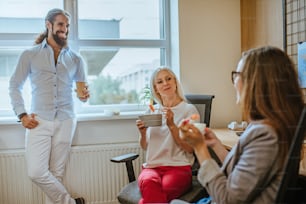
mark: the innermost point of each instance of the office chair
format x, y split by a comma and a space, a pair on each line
130, 193
290, 191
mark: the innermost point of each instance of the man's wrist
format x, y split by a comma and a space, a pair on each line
20, 116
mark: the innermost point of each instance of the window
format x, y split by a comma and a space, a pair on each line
122, 42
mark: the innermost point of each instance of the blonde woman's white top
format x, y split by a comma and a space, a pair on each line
162, 149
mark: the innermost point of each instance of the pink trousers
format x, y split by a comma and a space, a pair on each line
163, 184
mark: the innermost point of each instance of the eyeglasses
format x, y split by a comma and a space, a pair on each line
234, 75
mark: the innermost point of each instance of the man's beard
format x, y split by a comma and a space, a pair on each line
61, 42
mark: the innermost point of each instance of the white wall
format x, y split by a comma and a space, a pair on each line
209, 37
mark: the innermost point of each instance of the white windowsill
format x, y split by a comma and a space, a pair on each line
12, 120
99, 116
92, 129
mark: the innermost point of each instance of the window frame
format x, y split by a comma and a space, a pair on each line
23, 40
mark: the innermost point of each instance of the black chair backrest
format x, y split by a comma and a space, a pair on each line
287, 190
203, 104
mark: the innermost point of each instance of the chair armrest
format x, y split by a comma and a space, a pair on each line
125, 158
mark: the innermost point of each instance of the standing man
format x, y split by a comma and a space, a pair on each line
52, 68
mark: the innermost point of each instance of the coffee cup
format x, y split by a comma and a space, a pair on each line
80, 87
201, 127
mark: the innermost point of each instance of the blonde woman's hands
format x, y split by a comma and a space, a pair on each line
168, 115
142, 137
141, 127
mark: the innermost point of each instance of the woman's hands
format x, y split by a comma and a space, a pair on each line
142, 130
193, 136
195, 139
211, 139
199, 142
168, 114
175, 132
141, 127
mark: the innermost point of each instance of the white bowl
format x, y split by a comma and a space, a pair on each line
151, 120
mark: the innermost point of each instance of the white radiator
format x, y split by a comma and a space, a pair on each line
89, 174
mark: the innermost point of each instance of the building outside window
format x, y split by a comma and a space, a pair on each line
122, 42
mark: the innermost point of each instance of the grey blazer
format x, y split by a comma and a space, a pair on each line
251, 172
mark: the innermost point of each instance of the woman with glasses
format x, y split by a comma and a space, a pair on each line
271, 100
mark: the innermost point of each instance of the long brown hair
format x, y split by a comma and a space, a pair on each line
271, 92
51, 17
